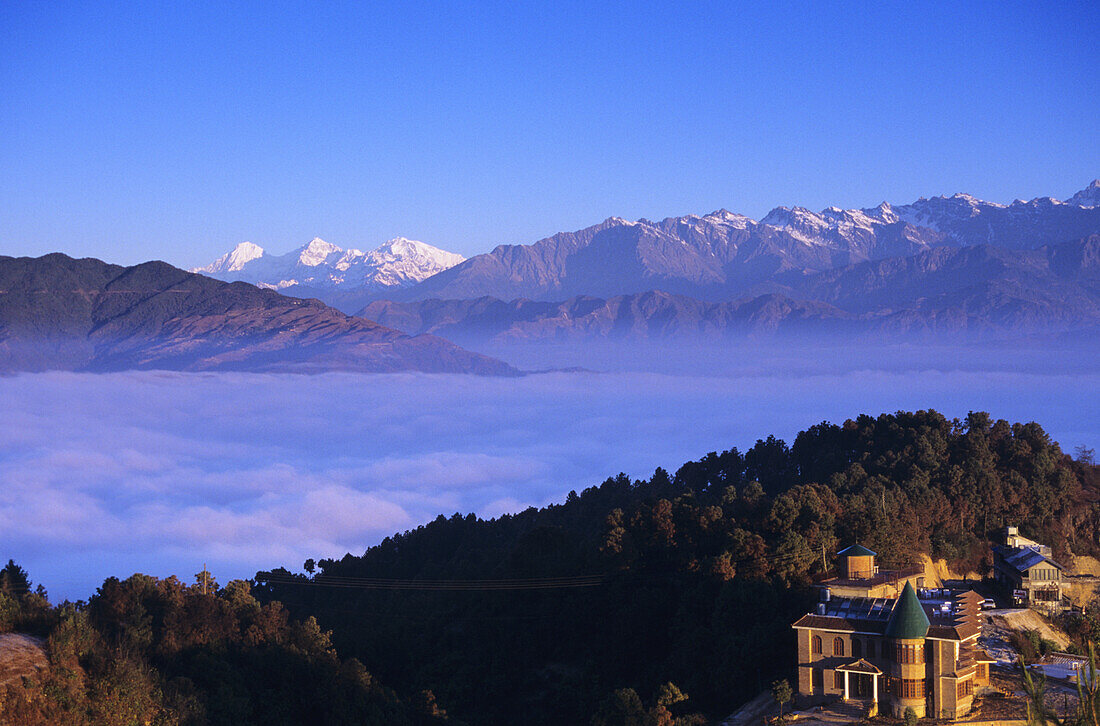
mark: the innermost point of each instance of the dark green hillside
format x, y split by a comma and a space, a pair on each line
702, 572
150, 651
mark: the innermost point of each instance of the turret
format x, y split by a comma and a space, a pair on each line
906, 630
859, 562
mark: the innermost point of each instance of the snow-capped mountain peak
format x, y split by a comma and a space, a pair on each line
729, 219
781, 216
405, 247
788, 238
399, 262
883, 213
1088, 197
316, 252
403, 261
234, 260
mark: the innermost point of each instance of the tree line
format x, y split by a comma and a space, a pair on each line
158, 651
657, 602
702, 571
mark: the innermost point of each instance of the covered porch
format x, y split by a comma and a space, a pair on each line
861, 683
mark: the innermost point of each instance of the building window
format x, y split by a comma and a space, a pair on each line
815, 645
909, 654
1044, 574
965, 688
857, 648
983, 670
817, 680
910, 688
870, 649
838, 646
838, 680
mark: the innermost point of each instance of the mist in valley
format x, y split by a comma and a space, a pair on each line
161, 472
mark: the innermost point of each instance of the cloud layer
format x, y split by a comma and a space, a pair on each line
162, 472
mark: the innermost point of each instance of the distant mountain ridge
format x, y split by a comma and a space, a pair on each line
324, 266
723, 255
59, 313
942, 266
648, 315
975, 291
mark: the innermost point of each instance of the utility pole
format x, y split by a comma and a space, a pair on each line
205, 578
824, 565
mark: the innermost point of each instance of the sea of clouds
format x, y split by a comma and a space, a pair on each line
162, 473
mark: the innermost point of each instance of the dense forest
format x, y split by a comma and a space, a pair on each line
699, 574
659, 602
151, 651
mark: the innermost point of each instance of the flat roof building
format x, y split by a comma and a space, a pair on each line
861, 577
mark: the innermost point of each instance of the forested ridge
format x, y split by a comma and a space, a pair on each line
158, 651
701, 572
665, 601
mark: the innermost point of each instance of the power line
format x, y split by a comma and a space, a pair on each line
422, 581
480, 585
436, 585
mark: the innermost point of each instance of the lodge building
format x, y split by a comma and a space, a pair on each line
892, 653
1025, 568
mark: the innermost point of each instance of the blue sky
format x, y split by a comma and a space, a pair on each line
131, 131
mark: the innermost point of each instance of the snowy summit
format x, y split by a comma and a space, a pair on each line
320, 264
232, 261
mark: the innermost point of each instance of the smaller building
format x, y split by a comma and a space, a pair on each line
861, 577
1026, 569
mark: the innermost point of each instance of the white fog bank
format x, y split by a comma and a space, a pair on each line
162, 472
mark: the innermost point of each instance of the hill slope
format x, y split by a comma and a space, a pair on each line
700, 573
156, 651
61, 313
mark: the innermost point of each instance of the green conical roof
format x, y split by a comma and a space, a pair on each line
907, 621
856, 551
